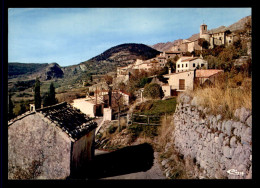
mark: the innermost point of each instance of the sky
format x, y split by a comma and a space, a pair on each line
69, 36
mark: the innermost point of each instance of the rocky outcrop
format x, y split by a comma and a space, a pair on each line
53, 71
222, 148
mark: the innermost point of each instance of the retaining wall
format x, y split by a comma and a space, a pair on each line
221, 147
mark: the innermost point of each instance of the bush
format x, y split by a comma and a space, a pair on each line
153, 91
112, 129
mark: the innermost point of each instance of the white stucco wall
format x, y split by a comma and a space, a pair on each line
189, 64
187, 76
84, 106
166, 90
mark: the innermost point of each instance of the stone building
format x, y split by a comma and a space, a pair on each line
90, 106
223, 37
49, 143
183, 81
186, 46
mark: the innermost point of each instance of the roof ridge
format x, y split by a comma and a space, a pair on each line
52, 106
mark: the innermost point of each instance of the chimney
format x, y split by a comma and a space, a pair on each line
170, 70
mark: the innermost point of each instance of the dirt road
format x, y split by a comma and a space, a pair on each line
153, 172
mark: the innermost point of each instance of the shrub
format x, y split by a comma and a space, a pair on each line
153, 91
235, 93
112, 129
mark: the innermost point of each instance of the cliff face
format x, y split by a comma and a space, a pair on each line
220, 148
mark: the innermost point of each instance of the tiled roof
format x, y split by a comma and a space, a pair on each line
207, 73
69, 119
190, 59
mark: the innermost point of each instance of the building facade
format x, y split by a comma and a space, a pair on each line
49, 143
186, 63
183, 81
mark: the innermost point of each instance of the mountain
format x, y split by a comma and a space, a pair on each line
120, 55
165, 46
21, 75
239, 25
16, 69
27, 71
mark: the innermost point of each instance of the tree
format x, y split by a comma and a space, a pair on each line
203, 43
10, 107
22, 107
153, 91
49, 98
108, 79
118, 102
37, 94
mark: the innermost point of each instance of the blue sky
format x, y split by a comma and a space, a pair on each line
69, 36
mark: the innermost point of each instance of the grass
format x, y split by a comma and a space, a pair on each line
157, 107
227, 95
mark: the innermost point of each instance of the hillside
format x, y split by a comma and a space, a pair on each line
233, 27
107, 61
27, 71
16, 69
120, 55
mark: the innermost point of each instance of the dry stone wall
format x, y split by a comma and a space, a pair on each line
222, 148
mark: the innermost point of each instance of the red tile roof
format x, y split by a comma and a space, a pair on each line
207, 73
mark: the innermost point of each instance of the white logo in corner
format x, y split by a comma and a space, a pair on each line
235, 172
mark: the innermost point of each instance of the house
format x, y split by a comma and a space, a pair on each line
120, 95
49, 143
207, 76
90, 106
187, 80
186, 63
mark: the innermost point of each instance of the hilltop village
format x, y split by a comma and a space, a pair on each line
161, 98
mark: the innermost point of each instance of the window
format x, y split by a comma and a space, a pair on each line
182, 65
178, 65
194, 64
202, 65
169, 56
186, 64
181, 84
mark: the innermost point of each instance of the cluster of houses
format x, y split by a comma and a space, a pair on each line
60, 137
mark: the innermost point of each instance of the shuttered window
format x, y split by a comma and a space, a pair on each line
181, 84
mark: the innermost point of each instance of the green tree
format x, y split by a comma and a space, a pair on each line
22, 107
49, 98
37, 94
203, 43
10, 107
153, 91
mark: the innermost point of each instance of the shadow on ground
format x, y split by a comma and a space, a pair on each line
127, 160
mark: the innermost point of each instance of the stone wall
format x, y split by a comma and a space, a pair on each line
37, 149
215, 144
